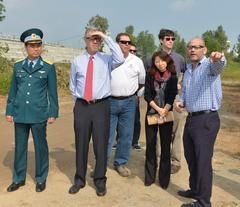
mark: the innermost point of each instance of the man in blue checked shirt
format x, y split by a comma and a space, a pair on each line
202, 94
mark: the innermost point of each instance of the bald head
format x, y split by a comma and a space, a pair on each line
196, 49
198, 39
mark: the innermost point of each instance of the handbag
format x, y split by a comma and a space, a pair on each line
157, 119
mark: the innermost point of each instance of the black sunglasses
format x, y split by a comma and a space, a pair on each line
97, 39
125, 42
170, 38
133, 51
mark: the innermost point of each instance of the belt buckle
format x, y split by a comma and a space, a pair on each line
92, 101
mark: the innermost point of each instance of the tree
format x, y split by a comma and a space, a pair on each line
99, 22
222, 38
145, 44
216, 40
130, 30
237, 50
2, 10
180, 46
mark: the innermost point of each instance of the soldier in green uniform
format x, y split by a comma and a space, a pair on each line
32, 103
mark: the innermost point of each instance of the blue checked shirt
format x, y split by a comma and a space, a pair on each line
202, 86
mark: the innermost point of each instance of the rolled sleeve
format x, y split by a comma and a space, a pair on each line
117, 57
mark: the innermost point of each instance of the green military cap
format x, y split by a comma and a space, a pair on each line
33, 35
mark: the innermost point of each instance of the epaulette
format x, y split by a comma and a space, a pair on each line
49, 62
19, 60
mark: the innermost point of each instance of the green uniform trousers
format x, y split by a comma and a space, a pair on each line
21, 148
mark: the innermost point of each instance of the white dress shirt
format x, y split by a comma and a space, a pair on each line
126, 78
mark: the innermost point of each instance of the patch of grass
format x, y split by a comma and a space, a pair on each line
231, 72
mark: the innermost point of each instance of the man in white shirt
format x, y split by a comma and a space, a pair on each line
125, 81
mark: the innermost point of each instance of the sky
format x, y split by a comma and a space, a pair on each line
64, 21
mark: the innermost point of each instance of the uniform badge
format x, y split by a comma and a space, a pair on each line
33, 36
41, 71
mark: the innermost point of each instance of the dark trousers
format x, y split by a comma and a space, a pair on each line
91, 120
137, 126
199, 136
165, 131
21, 148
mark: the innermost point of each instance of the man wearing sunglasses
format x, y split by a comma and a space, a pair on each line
167, 38
133, 49
137, 122
90, 87
125, 81
201, 95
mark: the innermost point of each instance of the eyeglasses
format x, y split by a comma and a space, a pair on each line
124, 42
195, 47
170, 38
133, 51
97, 39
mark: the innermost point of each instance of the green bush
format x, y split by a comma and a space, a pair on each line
5, 79
63, 71
5, 65
5, 75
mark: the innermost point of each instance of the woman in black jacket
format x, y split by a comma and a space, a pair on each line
160, 92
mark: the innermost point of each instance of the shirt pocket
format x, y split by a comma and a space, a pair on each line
40, 77
21, 76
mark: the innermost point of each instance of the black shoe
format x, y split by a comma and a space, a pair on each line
101, 191
186, 194
15, 186
148, 184
194, 204
164, 186
40, 187
136, 147
74, 189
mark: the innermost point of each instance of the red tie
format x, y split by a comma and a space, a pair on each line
89, 80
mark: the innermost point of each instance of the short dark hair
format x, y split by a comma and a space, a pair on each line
132, 44
166, 57
119, 35
165, 32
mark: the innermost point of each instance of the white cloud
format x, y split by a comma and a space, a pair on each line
182, 5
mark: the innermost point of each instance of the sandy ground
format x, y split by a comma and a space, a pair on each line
121, 191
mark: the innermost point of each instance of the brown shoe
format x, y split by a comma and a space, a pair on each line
122, 170
175, 169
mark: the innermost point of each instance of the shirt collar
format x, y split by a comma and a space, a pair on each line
199, 63
88, 55
34, 61
202, 60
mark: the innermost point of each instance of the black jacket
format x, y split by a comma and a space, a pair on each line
170, 90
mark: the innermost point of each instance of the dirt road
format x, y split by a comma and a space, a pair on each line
124, 192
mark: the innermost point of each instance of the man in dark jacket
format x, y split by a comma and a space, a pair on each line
32, 103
